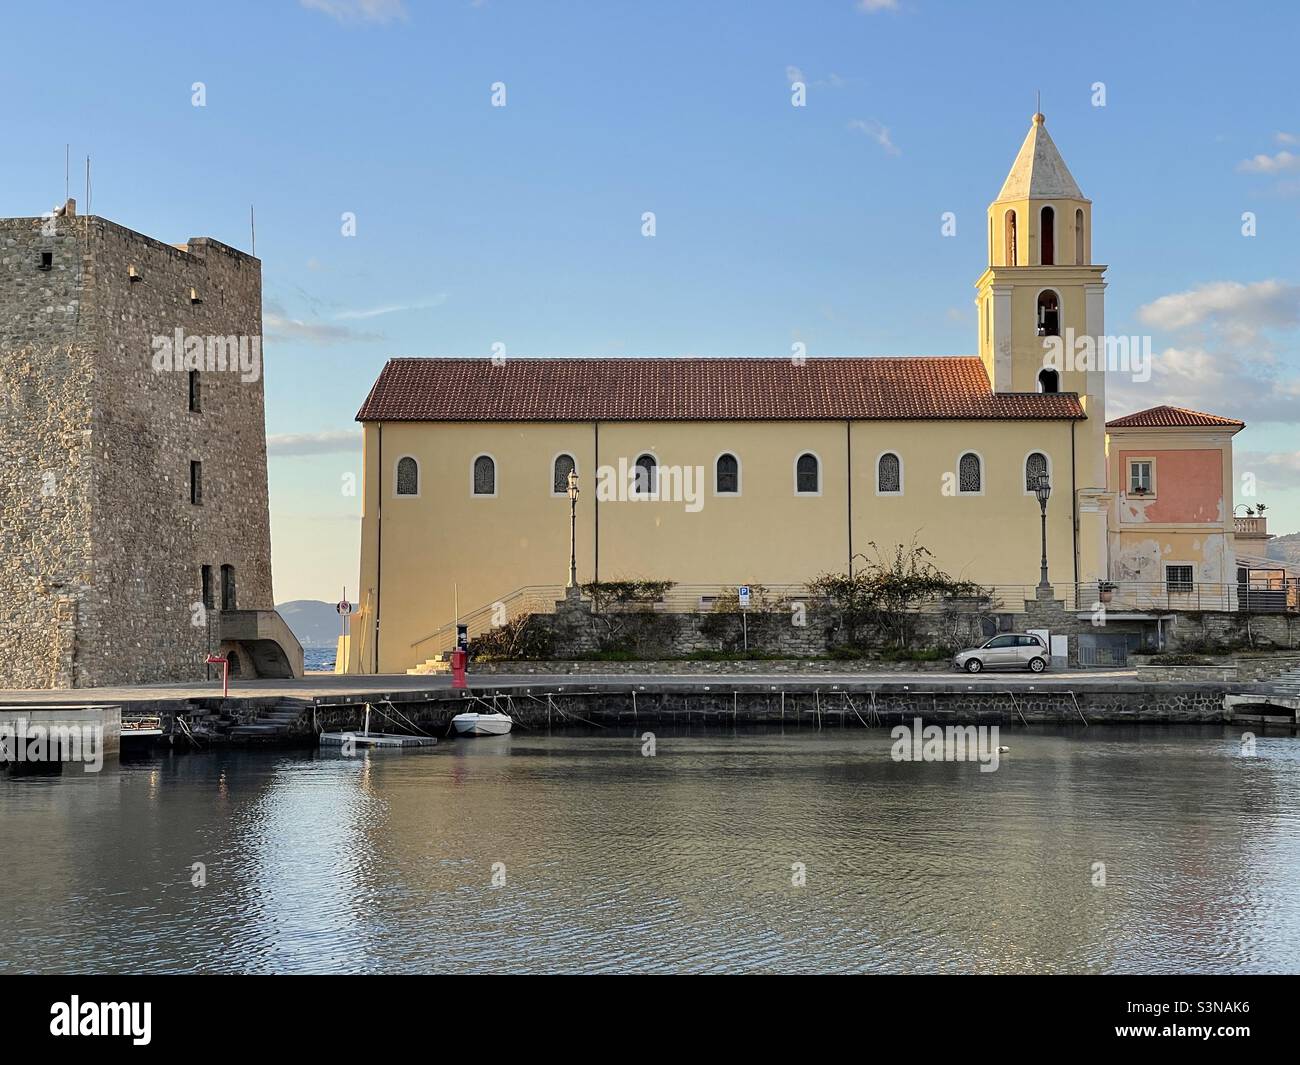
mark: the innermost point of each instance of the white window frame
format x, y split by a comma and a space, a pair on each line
496, 476
1025, 462
419, 478
821, 475
902, 483
1128, 477
550, 473
984, 474
740, 470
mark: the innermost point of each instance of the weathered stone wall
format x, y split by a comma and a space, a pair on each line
575, 630
46, 403
1235, 629
1246, 667
102, 575
759, 666
756, 703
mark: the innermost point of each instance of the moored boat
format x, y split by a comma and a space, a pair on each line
481, 724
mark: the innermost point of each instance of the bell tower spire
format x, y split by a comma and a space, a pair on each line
1040, 281
1041, 297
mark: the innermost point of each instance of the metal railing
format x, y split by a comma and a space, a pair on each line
533, 599
1271, 596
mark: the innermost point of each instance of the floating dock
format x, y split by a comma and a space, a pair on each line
375, 739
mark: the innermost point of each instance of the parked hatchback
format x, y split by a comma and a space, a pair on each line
1010, 650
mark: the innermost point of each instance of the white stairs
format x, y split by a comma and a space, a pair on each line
439, 663
1287, 684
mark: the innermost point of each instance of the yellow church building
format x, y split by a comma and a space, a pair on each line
719, 472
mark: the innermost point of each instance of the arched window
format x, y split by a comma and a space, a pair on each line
1047, 237
1078, 237
727, 475
1009, 225
970, 475
807, 474
564, 465
1049, 314
1035, 466
485, 476
228, 599
408, 476
889, 474
646, 479
1049, 381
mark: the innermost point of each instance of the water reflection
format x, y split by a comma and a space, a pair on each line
683, 861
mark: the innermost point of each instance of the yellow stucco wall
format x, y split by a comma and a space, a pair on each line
486, 547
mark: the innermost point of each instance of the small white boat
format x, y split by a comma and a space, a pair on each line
481, 724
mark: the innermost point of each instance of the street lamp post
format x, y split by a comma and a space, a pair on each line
573, 531
1043, 489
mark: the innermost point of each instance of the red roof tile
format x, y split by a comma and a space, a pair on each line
1172, 418
690, 389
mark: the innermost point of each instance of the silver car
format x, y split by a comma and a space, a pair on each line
1009, 650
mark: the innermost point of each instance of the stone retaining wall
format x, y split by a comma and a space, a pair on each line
844, 706
1240, 668
748, 667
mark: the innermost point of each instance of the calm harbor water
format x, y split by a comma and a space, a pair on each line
680, 862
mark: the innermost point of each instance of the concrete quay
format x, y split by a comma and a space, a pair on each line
295, 712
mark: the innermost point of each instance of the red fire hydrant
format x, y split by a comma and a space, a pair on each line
458, 657
224, 663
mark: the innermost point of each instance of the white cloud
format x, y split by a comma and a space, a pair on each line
299, 444
1270, 164
1272, 469
872, 6
1235, 310
793, 74
878, 132
286, 328
1212, 381
1286, 138
350, 11
375, 312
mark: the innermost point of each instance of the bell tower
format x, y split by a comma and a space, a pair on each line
1041, 293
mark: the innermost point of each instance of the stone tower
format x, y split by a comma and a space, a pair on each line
134, 531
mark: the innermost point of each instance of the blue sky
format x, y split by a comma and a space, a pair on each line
522, 225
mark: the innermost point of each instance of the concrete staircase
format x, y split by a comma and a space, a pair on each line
274, 723
1287, 684
439, 663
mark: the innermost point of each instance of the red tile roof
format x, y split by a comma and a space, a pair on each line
1172, 418
690, 389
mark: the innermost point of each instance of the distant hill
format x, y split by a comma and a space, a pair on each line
316, 624
1285, 548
